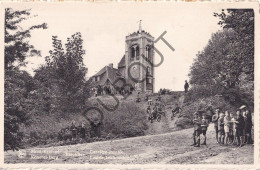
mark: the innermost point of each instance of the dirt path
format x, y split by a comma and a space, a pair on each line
168, 148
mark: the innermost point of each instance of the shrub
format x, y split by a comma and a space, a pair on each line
183, 123
199, 91
128, 121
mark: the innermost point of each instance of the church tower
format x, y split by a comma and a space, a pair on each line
139, 56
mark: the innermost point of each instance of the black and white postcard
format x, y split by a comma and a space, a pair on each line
130, 85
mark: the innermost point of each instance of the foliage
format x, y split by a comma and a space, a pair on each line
17, 47
229, 53
68, 71
164, 91
241, 21
18, 84
128, 121
202, 91
220, 62
61, 85
17, 106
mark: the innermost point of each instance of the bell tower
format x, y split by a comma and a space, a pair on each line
139, 56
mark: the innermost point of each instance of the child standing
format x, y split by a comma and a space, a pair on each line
235, 127
221, 132
204, 127
215, 121
231, 133
248, 127
227, 126
240, 129
197, 130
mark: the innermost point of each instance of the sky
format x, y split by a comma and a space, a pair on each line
104, 27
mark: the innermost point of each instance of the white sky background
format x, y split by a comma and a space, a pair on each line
105, 25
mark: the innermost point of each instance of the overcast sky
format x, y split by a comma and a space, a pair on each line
105, 25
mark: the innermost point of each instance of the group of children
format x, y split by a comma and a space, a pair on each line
155, 111
231, 128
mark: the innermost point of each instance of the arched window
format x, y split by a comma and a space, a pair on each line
132, 53
149, 54
137, 53
148, 70
146, 52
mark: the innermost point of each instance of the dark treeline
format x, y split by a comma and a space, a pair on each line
39, 107
226, 65
58, 86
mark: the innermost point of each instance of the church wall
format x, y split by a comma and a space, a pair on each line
122, 70
138, 71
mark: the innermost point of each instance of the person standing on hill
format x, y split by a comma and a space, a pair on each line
186, 86
215, 118
73, 130
96, 125
82, 131
175, 111
148, 110
159, 97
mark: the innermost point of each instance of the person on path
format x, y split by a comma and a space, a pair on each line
221, 132
235, 127
215, 118
204, 127
240, 129
248, 127
227, 121
197, 130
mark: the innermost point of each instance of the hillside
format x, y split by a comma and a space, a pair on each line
168, 100
164, 142
128, 120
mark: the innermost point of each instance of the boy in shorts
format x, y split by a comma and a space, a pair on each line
215, 118
240, 129
231, 132
234, 128
204, 127
197, 130
248, 127
221, 132
227, 121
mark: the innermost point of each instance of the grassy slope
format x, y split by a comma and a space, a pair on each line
46, 124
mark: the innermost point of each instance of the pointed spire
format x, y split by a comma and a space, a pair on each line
140, 26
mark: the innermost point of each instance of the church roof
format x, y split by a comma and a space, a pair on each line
107, 73
100, 72
122, 62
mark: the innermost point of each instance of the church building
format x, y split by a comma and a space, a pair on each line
135, 67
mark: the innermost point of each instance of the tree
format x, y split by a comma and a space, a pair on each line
69, 71
241, 21
17, 106
17, 47
18, 84
228, 54
218, 62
